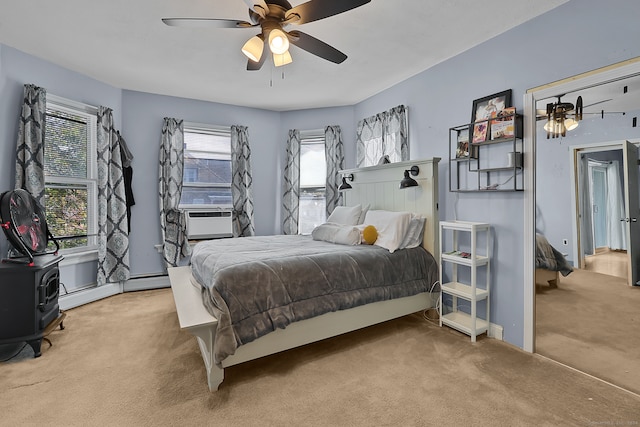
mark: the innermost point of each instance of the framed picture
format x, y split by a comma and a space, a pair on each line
462, 150
484, 109
480, 132
503, 125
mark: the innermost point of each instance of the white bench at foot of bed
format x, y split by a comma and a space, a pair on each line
195, 319
544, 277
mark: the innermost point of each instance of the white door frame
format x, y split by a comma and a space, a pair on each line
589, 79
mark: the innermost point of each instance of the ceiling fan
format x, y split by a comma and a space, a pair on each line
559, 119
273, 16
564, 116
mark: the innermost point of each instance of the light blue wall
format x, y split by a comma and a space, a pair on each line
579, 36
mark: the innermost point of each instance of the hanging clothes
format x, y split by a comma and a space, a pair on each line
127, 172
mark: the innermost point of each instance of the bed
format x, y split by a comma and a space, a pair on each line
208, 310
550, 263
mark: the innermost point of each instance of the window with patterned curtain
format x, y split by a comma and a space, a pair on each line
383, 135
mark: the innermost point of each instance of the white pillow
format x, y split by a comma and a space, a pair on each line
391, 227
415, 232
346, 215
337, 233
363, 214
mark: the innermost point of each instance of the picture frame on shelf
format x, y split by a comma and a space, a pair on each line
489, 106
480, 131
484, 109
462, 149
503, 126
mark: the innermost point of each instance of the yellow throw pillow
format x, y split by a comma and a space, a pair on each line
369, 235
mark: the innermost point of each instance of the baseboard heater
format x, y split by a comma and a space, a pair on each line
208, 224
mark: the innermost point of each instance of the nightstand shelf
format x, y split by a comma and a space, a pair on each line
479, 260
463, 322
469, 289
464, 291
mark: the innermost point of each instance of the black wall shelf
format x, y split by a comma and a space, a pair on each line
489, 165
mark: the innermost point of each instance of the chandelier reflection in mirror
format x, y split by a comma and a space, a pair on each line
562, 117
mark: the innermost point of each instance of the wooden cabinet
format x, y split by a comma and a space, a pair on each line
465, 252
491, 164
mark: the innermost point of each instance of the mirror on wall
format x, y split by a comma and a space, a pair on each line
586, 206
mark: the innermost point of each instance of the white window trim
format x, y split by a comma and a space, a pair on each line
312, 134
89, 252
73, 258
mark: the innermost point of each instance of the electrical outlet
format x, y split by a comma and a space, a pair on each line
565, 242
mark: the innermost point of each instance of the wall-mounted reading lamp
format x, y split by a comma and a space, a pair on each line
407, 181
345, 185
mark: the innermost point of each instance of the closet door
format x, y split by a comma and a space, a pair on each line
632, 210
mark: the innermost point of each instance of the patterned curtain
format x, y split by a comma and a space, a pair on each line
369, 143
396, 134
30, 145
385, 134
113, 224
241, 184
334, 153
172, 221
291, 191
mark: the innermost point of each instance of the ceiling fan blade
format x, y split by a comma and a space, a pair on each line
256, 65
596, 103
317, 47
314, 10
258, 6
206, 23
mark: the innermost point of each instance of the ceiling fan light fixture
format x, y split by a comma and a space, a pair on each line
283, 59
253, 48
278, 42
556, 127
570, 124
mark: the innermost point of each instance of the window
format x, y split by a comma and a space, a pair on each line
70, 167
383, 136
207, 166
313, 177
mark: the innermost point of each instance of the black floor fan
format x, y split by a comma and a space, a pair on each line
24, 223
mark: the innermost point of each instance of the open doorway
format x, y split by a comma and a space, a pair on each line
605, 247
607, 207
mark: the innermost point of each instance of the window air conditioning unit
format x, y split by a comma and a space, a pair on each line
208, 224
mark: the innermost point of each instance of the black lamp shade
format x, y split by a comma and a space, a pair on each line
407, 181
345, 185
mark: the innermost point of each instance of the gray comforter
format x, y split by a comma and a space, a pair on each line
255, 285
550, 258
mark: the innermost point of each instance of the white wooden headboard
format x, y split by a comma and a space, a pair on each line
379, 186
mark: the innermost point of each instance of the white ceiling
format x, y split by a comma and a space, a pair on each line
125, 44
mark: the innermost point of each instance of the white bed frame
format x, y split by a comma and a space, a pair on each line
377, 186
544, 276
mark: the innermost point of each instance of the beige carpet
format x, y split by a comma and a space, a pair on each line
591, 321
124, 362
